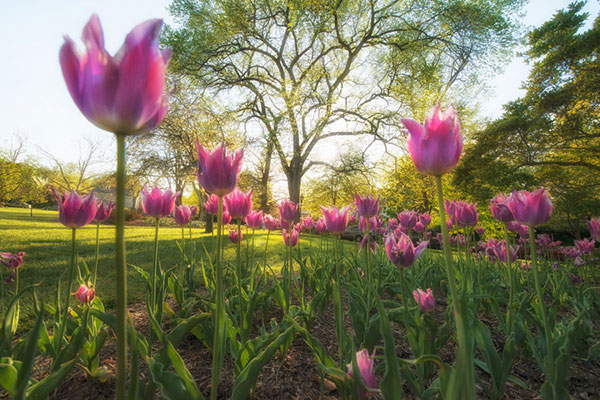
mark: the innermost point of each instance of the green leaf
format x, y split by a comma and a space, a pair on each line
42, 389
8, 376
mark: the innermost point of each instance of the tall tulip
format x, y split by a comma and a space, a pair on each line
408, 219
594, 227
336, 219
466, 214
254, 219
218, 172
74, 211
402, 252
182, 215
500, 209
212, 204
238, 203
290, 238
367, 206
287, 211
157, 203
271, 223
532, 209
125, 95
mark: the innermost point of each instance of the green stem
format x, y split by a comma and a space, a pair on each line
68, 294
511, 280
155, 268
217, 338
266, 249
339, 316
121, 277
97, 252
240, 273
464, 361
183, 243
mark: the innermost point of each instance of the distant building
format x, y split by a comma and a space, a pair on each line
109, 195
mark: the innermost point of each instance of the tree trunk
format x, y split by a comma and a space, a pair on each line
263, 198
294, 179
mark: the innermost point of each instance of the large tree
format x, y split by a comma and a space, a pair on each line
303, 72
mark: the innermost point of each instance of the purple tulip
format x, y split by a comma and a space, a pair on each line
402, 252
320, 226
362, 224
218, 172
103, 211
121, 94
392, 224
578, 262
235, 237
575, 279
254, 219
530, 208
364, 362
226, 218
290, 238
480, 230
270, 223
466, 214
513, 226
585, 246
451, 207
500, 252
182, 215
212, 204
424, 299
156, 203
238, 203
12, 261
336, 219
367, 206
419, 227
450, 224
85, 294
436, 146
425, 219
500, 209
408, 219
74, 211
287, 211
372, 244
594, 227
308, 223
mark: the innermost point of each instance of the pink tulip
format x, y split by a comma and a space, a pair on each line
320, 226
254, 219
85, 294
585, 246
408, 218
419, 227
500, 252
513, 226
234, 237
362, 224
212, 204
372, 244
336, 219
392, 224
450, 224
402, 252
121, 94
182, 215
287, 211
466, 214
594, 227
425, 219
290, 238
103, 211
530, 208
74, 211
500, 209
364, 362
156, 203
218, 172
226, 218
451, 207
12, 261
238, 203
351, 219
367, 206
271, 223
308, 223
424, 299
480, 230
436, 146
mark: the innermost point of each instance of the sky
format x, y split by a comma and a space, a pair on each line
34, 101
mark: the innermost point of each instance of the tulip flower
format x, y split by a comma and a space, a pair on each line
408, 219
530, 208
235, 237
367, 206
466, 214
500, 208
351, 219
226, 218
254, 219
12, 261
402, 252
500, 252
218, 172
122, 94
372, 244
362, 224
364, 362
103, 211
513, 226
575, 279
436, 146
271, 223
290, 238
336, 219
212, 204
85, 294
450, 224
156, 203
425, 219
74, 211
238, 203
392, 224
424, 299
419, 227
308, 223
287, 211
585, 246
183, 215
480, 230
320, 226
594, 227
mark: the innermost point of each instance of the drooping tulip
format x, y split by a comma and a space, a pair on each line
367, 206
336, 219
212, 204
424, 299
238, 203
235, 237
271, 223
290, 238
530, 208
594, 227
408, 219
157, 203
365, 365
103, 211
436, 146
12, 261
254, 219
121, 94
287, 211
218, 172
182, 215
74, 211
85, 294
500, 209
402, 252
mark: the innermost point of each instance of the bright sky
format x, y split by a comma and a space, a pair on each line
34, 100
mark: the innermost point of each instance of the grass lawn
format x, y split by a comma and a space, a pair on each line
47, 244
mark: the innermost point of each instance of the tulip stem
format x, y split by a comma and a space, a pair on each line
218, 346
339, 316
265, 265
121, 276
511, 280
239, 274
464, 360
155, 270
68, 294
97, 252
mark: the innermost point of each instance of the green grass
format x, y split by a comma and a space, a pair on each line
47, 244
